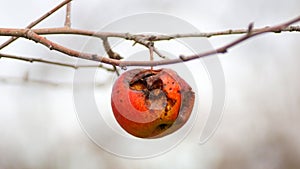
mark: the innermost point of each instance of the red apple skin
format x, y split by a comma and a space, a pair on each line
151, 103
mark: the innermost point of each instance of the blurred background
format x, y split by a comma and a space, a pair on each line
260, 124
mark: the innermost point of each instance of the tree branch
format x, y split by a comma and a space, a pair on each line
221, 33
111, 53
31, 25
135, 37
27, 59
35, 35
109, 50
68, 15
26, 79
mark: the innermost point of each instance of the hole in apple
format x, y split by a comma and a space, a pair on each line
156, 100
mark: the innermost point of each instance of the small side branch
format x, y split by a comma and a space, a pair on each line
68, 15
248, 35
40, 19
109, 51
221, 33
27, 79
145, 41
74, 66
111, 54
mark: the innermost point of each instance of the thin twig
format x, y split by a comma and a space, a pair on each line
109, 51
151, 46
249, 34
26, 79
31, 25
19, 80
158, 53
140, 39
68, 15
111, 54
27, 59
220, 33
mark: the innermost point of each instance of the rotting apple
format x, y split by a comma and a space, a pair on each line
151, 103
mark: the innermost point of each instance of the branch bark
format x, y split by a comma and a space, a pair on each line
40, 19
35, 35
32, 59
68, 15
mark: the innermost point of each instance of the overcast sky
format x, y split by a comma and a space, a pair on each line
259, 129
